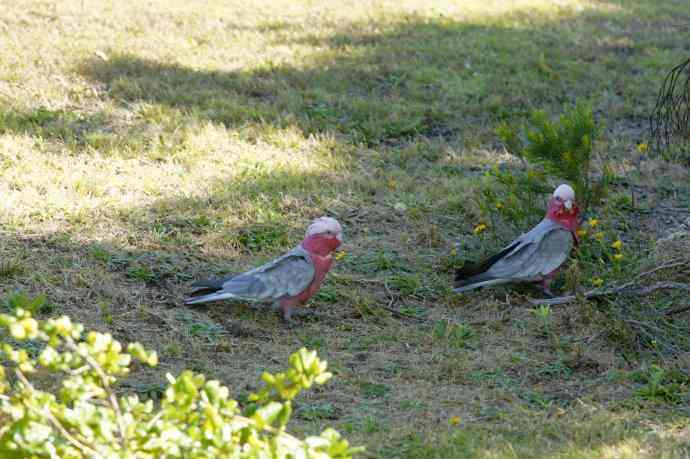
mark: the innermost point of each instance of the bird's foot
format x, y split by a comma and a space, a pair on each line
544, 287
548, 293
286, 313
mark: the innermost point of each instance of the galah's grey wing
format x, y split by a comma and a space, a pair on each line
288, 275
529, 257
535, 258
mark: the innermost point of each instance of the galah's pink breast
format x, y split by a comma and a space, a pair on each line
322, 264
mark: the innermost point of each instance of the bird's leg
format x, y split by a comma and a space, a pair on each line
544, 286
288, 312
277, 307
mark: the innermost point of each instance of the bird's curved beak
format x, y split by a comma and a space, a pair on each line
339, 237
568, 204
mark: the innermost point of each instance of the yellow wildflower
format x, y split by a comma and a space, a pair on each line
618, 257
340, 255
581, 232
597, 281
593, 222
617, 245
453, 252
599, 235
642, 148
480, 228
454, 421
499, 205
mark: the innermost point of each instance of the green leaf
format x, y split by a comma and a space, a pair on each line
196, 418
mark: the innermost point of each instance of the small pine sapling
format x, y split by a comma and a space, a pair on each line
562, 148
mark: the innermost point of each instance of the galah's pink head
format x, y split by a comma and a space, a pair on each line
324, 235
562, 208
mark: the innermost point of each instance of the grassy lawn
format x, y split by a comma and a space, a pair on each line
147, 144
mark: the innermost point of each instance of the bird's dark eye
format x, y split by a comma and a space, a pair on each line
558, 198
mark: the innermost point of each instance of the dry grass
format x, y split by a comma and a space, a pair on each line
146, 144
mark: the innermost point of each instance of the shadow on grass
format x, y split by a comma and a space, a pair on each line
103, 131
176, 240
421, 77
387, 83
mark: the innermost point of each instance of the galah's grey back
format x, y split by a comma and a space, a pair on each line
530, 257
283, 277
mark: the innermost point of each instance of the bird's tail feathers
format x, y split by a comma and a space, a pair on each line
465, 279
215, 296
213, 284
466, 288
206, 286
477, 283
473, 275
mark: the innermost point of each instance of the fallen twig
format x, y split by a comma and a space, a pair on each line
677, 311
603, 292
664, 286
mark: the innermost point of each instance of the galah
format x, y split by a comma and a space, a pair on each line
285, 282
534, 256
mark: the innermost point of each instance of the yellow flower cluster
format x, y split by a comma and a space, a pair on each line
618, 246
593, 223
480, 228
340, 255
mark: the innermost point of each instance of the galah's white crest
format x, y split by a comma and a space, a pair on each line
285, 282
534, 256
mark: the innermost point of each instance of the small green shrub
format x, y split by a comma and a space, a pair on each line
544, 316
33, 306
563, 149
600, 259
373, 390
449, 334
406, 284
86, 418
10, 268
661, 384
514, 196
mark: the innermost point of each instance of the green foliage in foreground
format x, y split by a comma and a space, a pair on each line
85, 418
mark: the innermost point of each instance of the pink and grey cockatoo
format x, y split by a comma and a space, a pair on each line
533, 257
285, 282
